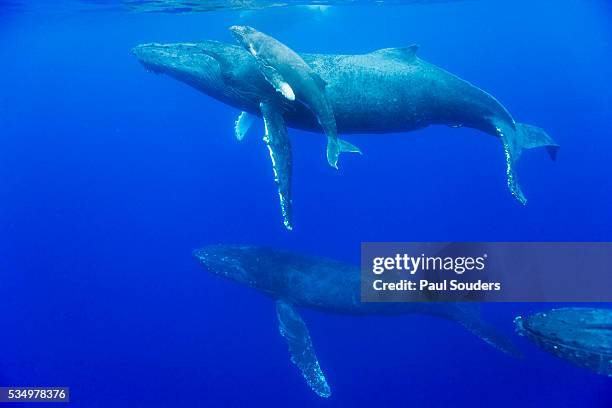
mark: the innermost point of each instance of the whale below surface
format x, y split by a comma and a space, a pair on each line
299, 281
388, 90
580, 335
290, 75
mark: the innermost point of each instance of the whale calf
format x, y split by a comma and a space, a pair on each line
285, 70
580, 335
388, 90
299, 281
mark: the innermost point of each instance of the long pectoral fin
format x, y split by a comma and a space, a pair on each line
517, 139
512, 152
277, 81
468, 315
242, 125
277, 140
294, 330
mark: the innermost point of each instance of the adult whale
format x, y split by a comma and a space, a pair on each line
294, 281
388, 90
581, 335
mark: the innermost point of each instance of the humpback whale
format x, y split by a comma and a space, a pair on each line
580, 335
299, 281
388, 90
288, 73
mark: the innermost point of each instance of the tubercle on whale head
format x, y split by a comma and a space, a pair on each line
149, 56
242, 32
193, 63
165, 58
228, 261
519, 325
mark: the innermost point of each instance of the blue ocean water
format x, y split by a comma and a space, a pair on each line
111, 176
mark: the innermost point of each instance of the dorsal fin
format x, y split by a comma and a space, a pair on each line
403, 53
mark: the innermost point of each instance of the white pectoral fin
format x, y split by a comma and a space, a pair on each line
277, 140
243, 124
295, 332
286, 90
278, 82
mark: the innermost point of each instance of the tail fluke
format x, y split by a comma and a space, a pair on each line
515, 140
533, 136
337, 146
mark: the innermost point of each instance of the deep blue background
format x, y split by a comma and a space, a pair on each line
111, 176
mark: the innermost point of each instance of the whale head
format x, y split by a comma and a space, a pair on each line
193, 63
260, 268
225, 72
234, 262
247, 37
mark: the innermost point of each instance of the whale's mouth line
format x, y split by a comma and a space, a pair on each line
152, 68
149, 56
163, 59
